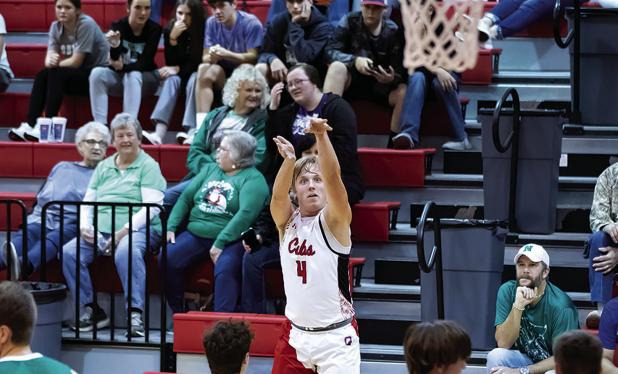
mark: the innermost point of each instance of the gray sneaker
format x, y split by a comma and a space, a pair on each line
10, 253
91, 317
462, 145
137, 325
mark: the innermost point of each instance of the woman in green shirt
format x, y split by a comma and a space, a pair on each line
221, 202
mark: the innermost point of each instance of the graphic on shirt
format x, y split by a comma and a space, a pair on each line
532, 339
301, 122
131, 51
290, 56
214, 197
67, 49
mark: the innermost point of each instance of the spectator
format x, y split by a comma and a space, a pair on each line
438, 347
603, 242
245, 97
333, 9
530, 314
18, 317
67, 181
299, 35
365, 56
134, 41
5, 70
76, 45
184, 38
303, 84
131, 176
221, 202
608, 334
232, 38
577, 352
227, 347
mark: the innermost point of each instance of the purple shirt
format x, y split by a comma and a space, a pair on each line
246, 33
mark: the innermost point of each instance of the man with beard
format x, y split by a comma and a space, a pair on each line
530, 314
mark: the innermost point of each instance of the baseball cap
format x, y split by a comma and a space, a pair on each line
534, 252
375, 2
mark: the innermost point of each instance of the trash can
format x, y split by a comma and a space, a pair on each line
49, 298
598, 60
472, 263
540, 145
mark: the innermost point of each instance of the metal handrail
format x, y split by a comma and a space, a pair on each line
558, 15
512, 141
24, 229
435, 258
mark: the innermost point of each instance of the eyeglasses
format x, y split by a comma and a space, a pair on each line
296, 83
92, 143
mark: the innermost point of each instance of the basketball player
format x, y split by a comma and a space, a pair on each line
320, 334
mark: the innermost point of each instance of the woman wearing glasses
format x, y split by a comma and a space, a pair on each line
67, 181
303, 84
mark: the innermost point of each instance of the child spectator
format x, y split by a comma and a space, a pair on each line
133, 40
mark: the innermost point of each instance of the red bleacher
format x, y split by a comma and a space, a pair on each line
394, 168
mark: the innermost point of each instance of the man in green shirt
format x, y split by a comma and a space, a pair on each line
530, 314
17, 320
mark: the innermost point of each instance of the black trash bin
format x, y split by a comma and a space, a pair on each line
472, 263
540, 145
49, 298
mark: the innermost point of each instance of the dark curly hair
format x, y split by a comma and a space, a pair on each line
226, 345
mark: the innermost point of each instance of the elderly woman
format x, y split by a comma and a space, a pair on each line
66, 182
221, 202
128, 176
245, 98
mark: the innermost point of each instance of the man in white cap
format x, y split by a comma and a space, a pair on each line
530, 314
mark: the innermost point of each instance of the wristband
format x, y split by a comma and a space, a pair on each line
520, 309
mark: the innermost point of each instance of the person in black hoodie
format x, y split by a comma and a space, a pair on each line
184, 38
297, 36
303, 84
133, 41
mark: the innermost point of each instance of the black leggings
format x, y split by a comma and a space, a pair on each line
50, 86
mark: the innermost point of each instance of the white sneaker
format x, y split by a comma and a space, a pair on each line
33, 135
151, 138
181, 137
462, 145
9, 252
17, 134
484, 27
188, 140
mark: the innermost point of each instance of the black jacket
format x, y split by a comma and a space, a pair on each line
342, 119
148, 40
187, 53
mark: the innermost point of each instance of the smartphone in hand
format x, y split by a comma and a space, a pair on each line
251, 239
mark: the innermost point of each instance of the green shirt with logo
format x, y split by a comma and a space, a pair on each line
33, 363
542, 323
124, 186
220, 206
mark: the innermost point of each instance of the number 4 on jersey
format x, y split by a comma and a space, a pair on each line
301, 270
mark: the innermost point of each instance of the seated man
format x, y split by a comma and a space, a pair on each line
365, 56
435, 348
603, 241
17, 321
530, 314
608, 333
232, 38
578, 352
67, 181
227, 347
299, 35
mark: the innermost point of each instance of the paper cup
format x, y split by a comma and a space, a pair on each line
45, 129
59, 124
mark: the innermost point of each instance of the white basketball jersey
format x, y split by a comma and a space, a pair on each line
315, 273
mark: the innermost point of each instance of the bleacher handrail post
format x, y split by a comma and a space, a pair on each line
24, 229
435, 258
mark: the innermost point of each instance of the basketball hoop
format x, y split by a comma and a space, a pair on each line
441, 33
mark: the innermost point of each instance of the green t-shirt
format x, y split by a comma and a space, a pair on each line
542, 323
221, 206
124, 186
33, 363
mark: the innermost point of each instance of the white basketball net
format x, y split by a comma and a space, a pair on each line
442, 33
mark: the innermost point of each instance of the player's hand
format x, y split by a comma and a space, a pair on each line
278, 70
168, 71
524, 296
304, 15
275, 95
504, 370
612, 231
113, 38
383, 76
606, 262
285, 148
178, 28
247, 248
317, 126
448, 83
171, 237
363, 65
52, 60
215, 253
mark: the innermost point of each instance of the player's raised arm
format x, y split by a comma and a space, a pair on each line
338, 213
280, 205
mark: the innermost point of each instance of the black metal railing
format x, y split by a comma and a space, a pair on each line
574, 36
9, 204
512, 141
435, 258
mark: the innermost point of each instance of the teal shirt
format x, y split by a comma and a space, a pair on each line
34, 363
542, 323
220, 206
124, 186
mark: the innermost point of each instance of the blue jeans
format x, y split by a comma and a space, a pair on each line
190, 249
253, 299
512, 16
121, 259
509, 358
173, 193
414, 102
34, 243
601, 285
